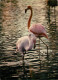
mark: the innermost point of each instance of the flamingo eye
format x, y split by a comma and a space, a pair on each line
29, 35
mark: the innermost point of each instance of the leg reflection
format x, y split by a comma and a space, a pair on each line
24, 70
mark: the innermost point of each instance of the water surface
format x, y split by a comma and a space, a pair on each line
13, 25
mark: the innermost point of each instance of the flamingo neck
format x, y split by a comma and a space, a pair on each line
32, 41
30, 44
29, 47
29, 21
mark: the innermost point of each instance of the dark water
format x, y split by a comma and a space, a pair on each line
13, 24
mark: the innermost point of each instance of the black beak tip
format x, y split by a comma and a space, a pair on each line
34, 46
25, 10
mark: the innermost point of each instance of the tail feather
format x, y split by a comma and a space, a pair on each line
45, 35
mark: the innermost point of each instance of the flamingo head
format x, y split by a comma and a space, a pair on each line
28, 7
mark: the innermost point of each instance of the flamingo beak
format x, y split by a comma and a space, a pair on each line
34, 45
26, 10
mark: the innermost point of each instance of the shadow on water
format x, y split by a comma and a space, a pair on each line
35, 65
14, 72
53, 30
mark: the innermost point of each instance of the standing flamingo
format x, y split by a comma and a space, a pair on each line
36, 29
25, 43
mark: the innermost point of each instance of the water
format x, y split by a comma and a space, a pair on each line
13, 24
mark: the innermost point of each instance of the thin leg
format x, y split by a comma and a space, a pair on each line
24, 71
23, 64
39, 53
46, 46
23, 58
39, 47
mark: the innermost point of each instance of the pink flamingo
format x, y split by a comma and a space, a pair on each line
25, 43
36, 29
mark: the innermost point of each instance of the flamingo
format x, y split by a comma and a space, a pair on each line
25, 43
37, 29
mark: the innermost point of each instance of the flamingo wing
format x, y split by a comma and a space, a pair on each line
38, 30
22, 43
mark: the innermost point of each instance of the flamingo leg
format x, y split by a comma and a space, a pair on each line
24, 73
23, 64
39, 47
39, 53
23, 57
46, 46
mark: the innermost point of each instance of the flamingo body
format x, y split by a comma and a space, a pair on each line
25, 43
38, 30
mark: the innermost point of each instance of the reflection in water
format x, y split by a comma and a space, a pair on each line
52, 3
52, 22
12, 26
52, 27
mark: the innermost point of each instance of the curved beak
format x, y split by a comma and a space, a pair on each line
34, 45
26, 10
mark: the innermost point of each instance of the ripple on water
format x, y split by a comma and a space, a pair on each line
13, 26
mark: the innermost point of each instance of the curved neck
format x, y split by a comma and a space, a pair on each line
30, 44
29, 21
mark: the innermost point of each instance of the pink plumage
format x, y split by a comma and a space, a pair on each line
37, 29
25, 43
